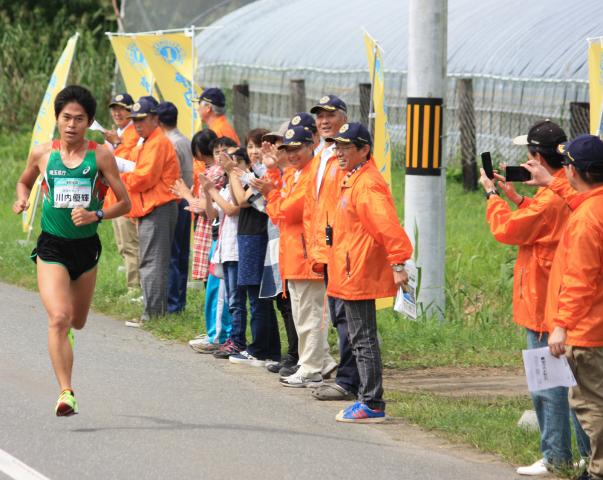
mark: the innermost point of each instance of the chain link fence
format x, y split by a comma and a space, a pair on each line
483, 113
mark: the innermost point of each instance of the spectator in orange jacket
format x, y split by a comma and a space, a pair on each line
366, 262
285, 208
536, 227
574, 309
122, 140
321, 198
212, 109
154, 205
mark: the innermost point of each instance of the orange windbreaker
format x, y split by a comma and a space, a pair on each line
536, 228
222, 128
129, 139
575, 290
157, 168
285, 208
367, 238
319, 208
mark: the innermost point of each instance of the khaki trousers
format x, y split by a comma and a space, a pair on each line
586, 399
126, 237
308, 308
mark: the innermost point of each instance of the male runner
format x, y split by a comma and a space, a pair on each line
68, 248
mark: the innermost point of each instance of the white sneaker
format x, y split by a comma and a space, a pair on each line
198, 340
297, 380
246, 358
537, 468
121, 268
135, 323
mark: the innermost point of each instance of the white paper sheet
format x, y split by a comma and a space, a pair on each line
543, 370
406, 302
124, 165
97, 127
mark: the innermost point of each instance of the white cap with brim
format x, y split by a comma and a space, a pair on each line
521, 140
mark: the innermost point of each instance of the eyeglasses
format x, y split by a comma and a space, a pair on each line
341, 147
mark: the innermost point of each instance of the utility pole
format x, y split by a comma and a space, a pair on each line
425, 190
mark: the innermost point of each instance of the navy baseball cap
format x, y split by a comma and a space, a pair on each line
583, 151
542, 134
215, 96
122, 100
143, 107
296, 137
303, 119
352, 132
167, 112
330, 103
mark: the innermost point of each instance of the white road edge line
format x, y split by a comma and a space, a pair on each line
16, 469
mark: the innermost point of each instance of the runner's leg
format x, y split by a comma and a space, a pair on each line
54, 288
81, 293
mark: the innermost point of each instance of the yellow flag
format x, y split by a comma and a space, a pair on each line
171, 59
595, 77
133, 66
46, 121
382, 142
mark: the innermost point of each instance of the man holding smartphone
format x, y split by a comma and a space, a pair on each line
536, 227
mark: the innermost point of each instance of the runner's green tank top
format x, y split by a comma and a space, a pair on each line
67, 188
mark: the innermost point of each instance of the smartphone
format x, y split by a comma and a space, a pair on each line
517, 174
487, 164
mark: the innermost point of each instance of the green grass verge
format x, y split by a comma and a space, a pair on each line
488, 424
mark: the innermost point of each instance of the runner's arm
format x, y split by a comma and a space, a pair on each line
28, 178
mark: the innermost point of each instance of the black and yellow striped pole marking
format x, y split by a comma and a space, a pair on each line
424, 136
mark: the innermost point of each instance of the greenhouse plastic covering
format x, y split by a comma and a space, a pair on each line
527, 59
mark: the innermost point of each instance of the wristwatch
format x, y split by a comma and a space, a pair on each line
398, 267
100, 215
490, 193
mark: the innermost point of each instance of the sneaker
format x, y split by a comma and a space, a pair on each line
537, 468
297, 380
288, 371
286, 362
226, 350
135, 323
246, 358
66, 404
70, 337
206, 347
360, 413
197, 339
332, 391
121, 268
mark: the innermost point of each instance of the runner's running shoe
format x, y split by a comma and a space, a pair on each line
66, 404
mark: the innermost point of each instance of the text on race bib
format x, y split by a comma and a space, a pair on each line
72, 192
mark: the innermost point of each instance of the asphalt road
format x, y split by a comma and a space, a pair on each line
151, 409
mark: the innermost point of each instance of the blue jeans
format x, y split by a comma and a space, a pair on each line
266, 343
178, 272
237, 304
553, 413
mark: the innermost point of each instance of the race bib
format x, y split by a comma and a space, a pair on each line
72, 192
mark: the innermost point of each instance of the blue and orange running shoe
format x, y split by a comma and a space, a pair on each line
66, 404
360, 413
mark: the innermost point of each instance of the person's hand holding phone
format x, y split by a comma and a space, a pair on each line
485, 181
540, 175
507, 187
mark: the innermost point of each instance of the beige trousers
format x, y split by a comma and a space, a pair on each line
586, 399
311, 320
126, 237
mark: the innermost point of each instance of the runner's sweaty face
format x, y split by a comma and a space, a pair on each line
72, 123
119, 115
